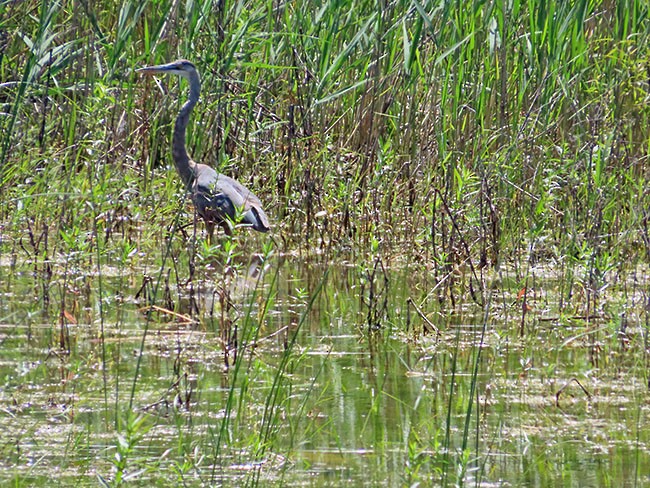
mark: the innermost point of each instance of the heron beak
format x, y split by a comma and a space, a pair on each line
153, 70
159, 69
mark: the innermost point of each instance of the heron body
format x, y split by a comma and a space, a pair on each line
218, 199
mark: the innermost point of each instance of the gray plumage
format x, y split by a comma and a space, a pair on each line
218, 199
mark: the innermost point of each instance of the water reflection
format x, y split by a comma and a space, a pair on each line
247, 376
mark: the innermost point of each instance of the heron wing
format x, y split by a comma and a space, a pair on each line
228, 194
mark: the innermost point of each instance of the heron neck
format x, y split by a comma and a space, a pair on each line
184, 165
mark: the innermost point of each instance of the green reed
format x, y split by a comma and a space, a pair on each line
464, 136
405, 98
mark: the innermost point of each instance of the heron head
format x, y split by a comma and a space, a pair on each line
182, 67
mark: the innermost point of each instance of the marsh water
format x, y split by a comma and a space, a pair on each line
303, 373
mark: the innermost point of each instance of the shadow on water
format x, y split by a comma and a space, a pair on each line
306, 374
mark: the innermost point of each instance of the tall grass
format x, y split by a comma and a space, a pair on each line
344, 117
452, 135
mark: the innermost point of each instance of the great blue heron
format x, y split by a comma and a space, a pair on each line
218, 199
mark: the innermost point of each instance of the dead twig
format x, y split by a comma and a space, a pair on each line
184, 319
559, 392
428, 325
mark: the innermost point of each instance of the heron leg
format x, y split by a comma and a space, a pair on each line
209, 225
226, 228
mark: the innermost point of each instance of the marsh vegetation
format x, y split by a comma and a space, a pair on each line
455, 290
